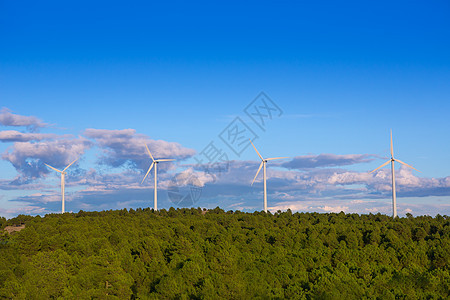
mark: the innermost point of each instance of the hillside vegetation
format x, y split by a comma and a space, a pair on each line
184, 254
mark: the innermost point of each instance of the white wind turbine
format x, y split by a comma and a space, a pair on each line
63, 175
263, 164
155, 164
392, 160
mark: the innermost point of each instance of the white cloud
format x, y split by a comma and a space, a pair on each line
16, 136
347, 178
336, 209
29, 157
9, 119
126, 146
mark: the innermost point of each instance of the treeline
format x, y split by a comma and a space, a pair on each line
194, 254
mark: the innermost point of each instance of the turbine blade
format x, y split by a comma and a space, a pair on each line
53, 168
149, 153
272, 158
406, 164
158, 160
256, 150
70, 164
392, 146
260, 166
149, 169
380, 166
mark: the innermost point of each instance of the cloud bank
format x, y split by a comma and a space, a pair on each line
319, 182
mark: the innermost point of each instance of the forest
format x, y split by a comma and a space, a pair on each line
194, 253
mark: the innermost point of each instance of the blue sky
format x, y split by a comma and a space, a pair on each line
99, 80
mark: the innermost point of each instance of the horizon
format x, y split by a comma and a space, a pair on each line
205, 210
322, 84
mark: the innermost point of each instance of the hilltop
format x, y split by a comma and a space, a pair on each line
189, 254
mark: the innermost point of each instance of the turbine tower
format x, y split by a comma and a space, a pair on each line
392, 160
263, 164
155, 164
63, 175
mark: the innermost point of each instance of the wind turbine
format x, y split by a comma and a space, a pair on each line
63, 175
263, 164
392, 160
154, 163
